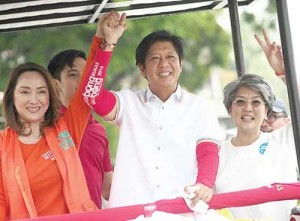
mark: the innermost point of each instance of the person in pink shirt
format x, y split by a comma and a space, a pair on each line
66, 68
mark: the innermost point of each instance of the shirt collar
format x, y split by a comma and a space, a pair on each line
178, 94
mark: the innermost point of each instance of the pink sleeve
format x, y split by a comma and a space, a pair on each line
94, 93
274, 192
208, 162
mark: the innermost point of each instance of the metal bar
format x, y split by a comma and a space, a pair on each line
236, 36
291, 78
220, 5
97, 12
32, 14
81, 17
38, 6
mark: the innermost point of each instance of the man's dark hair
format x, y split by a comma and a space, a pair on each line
63, 58
149, 40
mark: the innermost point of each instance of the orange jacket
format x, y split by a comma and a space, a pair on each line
62, 138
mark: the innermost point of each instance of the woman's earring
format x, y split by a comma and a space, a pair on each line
266, 117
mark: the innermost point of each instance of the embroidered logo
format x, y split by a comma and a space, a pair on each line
65, 140
48, 155
263, 148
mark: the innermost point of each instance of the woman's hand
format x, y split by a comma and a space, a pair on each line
273, 53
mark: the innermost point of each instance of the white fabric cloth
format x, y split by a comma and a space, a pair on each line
201, 211
271, 158
162, 216
156, 154
211, 215
201, 207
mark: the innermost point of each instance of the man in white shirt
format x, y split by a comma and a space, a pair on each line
169, 138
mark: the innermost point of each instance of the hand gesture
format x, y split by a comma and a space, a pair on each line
198, 192
273, 53
111, 26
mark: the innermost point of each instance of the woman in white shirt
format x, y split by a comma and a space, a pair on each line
252, 158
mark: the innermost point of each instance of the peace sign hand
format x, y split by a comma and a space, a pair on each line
272, 51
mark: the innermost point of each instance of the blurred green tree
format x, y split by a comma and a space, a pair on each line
206, 44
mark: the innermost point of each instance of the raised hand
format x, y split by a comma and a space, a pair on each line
111, 26
273, 53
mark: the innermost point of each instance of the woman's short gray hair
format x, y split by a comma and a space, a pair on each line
253, 81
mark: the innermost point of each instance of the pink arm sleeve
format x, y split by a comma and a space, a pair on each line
274, 192
94, 93
208, 162
265, 194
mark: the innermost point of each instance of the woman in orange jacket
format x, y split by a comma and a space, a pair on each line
40, 170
